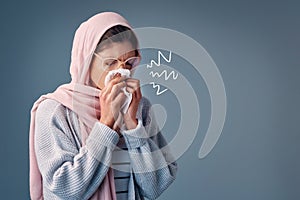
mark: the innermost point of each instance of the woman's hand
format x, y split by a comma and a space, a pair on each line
133, 87
111, 100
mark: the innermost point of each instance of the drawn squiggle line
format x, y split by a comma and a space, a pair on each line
167, 76
159, 55
158, 92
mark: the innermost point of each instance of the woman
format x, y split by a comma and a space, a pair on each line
83, 145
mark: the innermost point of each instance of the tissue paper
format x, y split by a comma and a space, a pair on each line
126, 73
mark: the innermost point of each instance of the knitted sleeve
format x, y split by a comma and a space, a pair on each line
68, 170
152, 162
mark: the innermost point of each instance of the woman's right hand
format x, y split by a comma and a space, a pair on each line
111, 100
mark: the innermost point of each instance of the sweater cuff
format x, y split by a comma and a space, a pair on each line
101, 136
135, 137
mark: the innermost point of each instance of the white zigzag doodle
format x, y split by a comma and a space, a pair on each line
167, 76
159, 55
158, 92
164, 72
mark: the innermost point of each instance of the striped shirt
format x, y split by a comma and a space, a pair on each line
121, 166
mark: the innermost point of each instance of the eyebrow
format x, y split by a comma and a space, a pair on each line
126, 55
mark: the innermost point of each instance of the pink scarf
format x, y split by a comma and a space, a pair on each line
79, 97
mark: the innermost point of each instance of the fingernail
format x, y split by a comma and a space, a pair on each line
115, 75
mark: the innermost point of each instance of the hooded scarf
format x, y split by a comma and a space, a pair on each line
78, 96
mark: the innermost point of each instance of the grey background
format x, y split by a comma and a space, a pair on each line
255, 44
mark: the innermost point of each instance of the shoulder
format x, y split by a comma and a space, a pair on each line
51, 111
50, 108
53, 117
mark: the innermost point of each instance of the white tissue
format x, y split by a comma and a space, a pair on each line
126, 73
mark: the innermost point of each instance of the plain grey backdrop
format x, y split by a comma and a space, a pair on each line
255, 45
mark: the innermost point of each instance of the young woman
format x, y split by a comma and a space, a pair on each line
83, 145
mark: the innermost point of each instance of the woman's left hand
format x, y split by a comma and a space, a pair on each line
133, 87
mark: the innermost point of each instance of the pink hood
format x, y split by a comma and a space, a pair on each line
78, 96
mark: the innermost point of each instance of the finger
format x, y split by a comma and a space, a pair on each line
116, 104
132, 80
106, 86
133, 83
137, 94
116, 89
130, 90
114, 81
119, 101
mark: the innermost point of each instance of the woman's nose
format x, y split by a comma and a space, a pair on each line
121, 65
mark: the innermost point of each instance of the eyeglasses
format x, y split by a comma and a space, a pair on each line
112, 63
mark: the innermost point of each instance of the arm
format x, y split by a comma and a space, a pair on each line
154, 168
69, 172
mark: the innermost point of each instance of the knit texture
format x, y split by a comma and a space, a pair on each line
72, 171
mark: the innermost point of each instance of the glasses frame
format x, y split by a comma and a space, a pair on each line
119, 61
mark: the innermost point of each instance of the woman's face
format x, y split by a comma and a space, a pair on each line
119, 50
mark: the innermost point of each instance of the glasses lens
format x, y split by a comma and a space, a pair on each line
110, 63
133, 61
